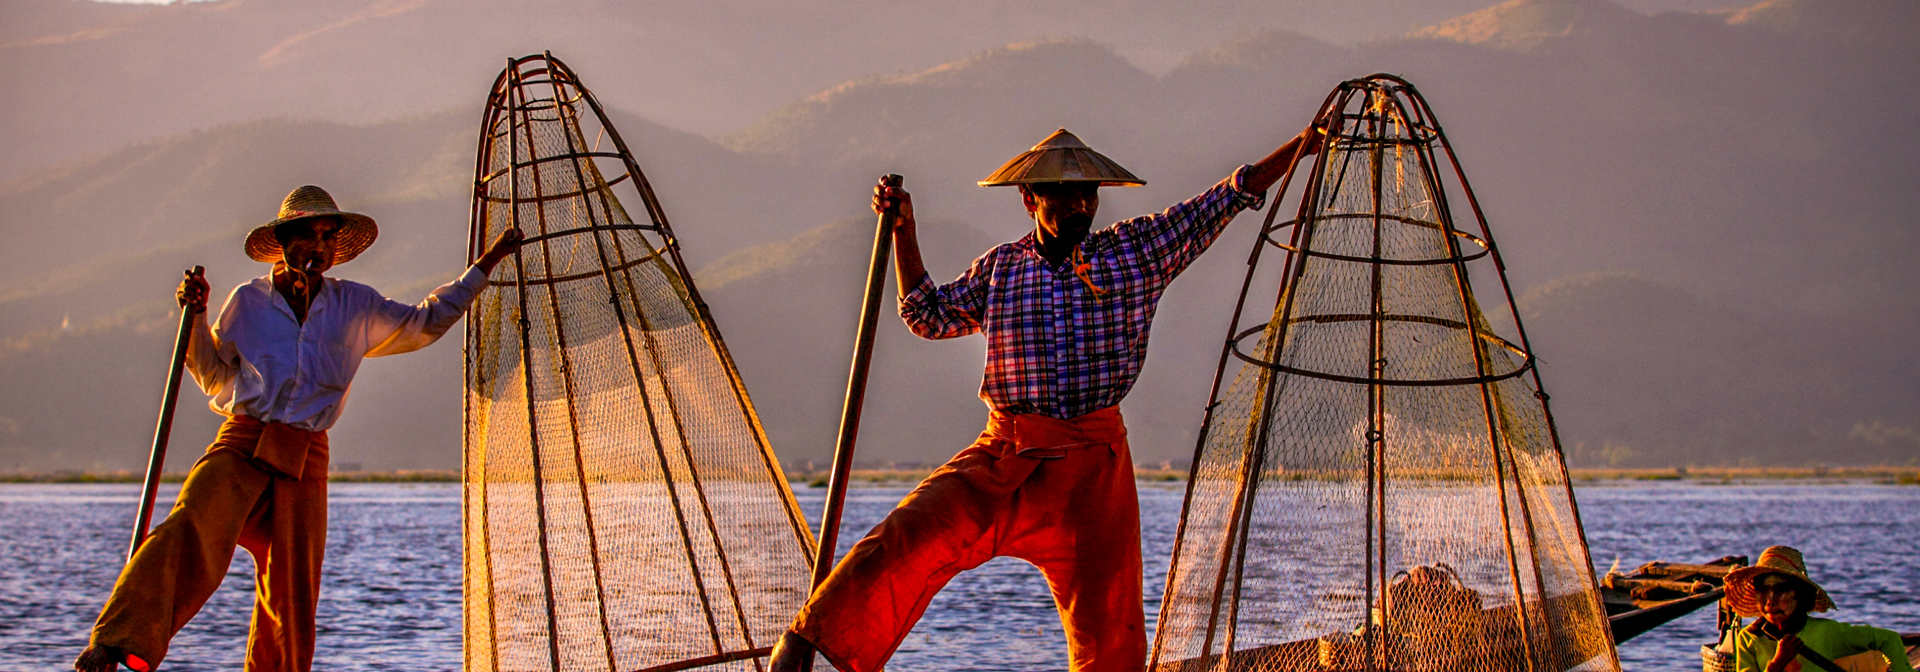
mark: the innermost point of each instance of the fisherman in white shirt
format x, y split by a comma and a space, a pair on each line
277, 363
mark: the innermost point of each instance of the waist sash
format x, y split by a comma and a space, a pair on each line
276, 447
1040, 436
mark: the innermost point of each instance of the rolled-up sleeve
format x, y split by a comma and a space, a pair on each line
1173, 239
212, 361
951, 310
395, 327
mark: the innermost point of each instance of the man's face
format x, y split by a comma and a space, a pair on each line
308, 244
1063, 209
1779, 597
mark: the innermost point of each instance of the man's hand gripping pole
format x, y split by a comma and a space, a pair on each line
856, 395
192, 303
856, 389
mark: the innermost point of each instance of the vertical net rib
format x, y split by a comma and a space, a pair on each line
1378, 485
623, 509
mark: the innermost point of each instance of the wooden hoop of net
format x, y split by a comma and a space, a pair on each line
1380, 486
623, 510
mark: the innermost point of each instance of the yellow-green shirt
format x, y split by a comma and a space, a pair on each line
1832, 639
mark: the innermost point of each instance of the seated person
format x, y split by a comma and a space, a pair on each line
1777, 590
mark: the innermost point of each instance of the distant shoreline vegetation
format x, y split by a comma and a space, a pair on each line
801, 478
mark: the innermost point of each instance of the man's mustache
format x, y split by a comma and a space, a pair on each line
1078, 221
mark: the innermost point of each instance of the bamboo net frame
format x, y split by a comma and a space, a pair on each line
1380, 486
623, 509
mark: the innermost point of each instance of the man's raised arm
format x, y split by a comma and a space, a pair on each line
906, 242
1276, 165
398, 327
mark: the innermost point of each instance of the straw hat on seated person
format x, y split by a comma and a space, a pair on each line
1745, 601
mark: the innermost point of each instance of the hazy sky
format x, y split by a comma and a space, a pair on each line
1651, 220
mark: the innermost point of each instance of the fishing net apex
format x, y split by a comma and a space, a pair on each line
623, 510
1379, 486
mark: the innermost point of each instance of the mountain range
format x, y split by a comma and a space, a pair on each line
1708, 214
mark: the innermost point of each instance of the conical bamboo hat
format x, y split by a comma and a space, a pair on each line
1062, 158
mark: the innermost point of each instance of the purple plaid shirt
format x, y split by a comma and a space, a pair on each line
1053, 347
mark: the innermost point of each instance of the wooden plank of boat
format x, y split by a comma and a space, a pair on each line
1647, 586
1677, 570
1659, 592
1912, 640
1630, 624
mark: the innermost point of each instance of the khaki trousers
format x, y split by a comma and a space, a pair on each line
230, 498
1056, 493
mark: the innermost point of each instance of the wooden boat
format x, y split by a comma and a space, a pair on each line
1647, 597
1658, 592
1638, 601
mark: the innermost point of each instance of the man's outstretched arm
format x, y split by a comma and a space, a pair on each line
502, 247
930, 310
395, 327
1276, 165
907, 266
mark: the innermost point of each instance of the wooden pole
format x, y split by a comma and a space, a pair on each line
158, 457
856, 391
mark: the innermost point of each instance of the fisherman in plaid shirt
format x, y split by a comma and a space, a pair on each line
1066, 313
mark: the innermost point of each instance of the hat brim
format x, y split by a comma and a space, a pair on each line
1062, 164
356, 234
1742, 599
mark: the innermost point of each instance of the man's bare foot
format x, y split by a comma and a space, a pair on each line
792, 654
99, 658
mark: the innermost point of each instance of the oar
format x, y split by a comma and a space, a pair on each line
856, 391
161, 431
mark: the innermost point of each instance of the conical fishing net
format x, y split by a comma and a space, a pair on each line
1379, 487
623, 509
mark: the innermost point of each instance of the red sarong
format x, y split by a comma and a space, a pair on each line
1055, 493
260, 486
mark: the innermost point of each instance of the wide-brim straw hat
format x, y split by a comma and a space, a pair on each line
355, 235
1741, 597
1062, 158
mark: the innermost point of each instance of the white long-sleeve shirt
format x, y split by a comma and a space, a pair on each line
261, 361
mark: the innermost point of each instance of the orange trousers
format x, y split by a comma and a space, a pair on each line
1055, 493
233, 496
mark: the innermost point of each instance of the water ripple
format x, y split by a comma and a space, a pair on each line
391, 592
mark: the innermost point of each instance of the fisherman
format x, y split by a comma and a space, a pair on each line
1778, 591
277, 364
1065, 311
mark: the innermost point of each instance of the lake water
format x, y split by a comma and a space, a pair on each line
391, 598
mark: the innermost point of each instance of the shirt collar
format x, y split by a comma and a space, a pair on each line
280, 302
1030, 245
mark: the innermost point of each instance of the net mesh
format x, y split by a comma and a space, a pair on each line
623, 510
1379, 486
